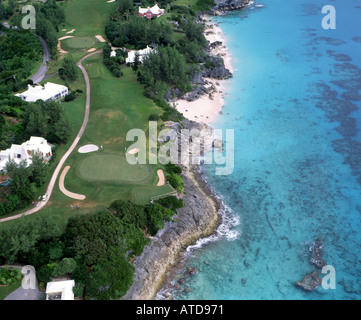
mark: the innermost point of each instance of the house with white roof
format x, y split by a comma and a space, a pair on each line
60, 290
25, 151
149, 13
50, 91
142, 53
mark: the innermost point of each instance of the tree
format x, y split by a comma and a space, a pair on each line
34, 120
38, 170
70, 69
154, 117
111, 277
65, 267
20, 184
62, 129
22, 236
125, 5
136, 62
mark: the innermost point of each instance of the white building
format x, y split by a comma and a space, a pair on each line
60, 290
24, 151
142, 53
50, 91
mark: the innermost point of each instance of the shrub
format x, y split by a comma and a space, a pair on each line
70, 97
154, 117
117, 73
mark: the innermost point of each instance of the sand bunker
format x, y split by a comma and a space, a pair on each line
100, 38
60, 49
161, 178
71, 31
59, 43
65, 37
133, 151
110, 1
91, 50
63, 189
88, 148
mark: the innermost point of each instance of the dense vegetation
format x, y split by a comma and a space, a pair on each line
20, 51
95, 250
44, 119
164, 68
49, 16
6, 11
20, 54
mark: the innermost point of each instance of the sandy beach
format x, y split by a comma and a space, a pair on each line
206, 108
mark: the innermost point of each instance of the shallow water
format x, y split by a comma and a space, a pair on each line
294, 105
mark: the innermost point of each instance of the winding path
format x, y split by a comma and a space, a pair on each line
39, 75
54, 177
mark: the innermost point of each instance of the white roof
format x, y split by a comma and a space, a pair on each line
142, 53
65, 288
43, 93
155, 9
35, 144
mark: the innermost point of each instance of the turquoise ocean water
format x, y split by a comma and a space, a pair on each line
294, 104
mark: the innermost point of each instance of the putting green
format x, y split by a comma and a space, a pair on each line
112, 168
79, 43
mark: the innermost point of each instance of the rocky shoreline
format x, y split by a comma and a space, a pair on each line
197, 219
228, 5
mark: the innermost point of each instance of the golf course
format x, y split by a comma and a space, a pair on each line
116, 106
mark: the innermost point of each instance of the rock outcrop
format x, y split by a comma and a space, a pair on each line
310, 282
217, 69
198, 218
228, 5
316, 254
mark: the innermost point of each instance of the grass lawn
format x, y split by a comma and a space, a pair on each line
5, 291
87, 17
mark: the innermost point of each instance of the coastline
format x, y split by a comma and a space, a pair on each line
206, 108
200, 216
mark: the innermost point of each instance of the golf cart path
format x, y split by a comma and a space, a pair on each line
54, 177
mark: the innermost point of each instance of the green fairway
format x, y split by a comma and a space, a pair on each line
88, 17
117, 106
112, 168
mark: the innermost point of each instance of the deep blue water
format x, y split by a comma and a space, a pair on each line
294, 104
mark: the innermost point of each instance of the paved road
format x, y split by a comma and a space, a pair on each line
51, 185
39, 75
